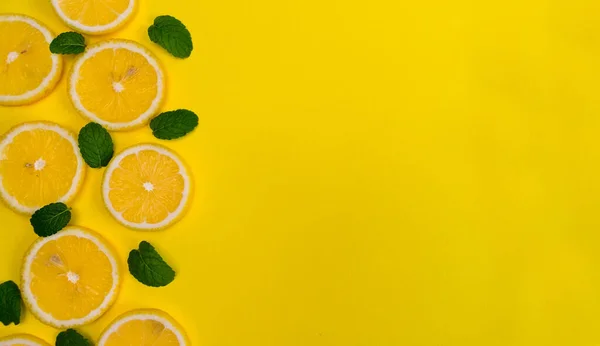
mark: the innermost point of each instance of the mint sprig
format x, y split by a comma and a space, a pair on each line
71, 337
68, 43
172, 35
96, 145
50, 219
10, 303
174, 124
148, 267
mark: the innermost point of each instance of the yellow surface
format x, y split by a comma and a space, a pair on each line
368, 173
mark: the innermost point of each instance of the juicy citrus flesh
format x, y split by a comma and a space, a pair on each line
142, 332
39, 165
25, 59
22, 340
93, 12
69, 276
144, 328
117, 85
147, 186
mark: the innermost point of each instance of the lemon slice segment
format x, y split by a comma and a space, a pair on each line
146, 327
118, 84
94, 17
28, 71
22, 340
70, 278
146, 187
40, 163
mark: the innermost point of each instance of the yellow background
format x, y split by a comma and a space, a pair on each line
368, 173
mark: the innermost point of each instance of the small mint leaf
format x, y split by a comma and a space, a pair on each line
50, 219
68, 43
148, 267
172, 35
95, 145
174, 124
71, 337
10, 303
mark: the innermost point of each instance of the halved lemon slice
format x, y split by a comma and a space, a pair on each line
118, 84
40, 163
146, 187
22, 340
28, 71
146, 327
94, 17
70, 278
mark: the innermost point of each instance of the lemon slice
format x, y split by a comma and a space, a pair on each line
147, 327
118, 84
28, 71
94, 17
70, 278
22, 340
146, 187
40, 163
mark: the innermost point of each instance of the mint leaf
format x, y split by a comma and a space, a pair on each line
50, 219
68, 43
172, 35
10, 303
148, 267
71, 337
174, 124
95, 145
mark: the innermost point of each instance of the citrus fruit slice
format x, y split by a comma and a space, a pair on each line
118, 84
145, 327
94, 17
146, 187
22, 340
40, 163
28, 71
69, 278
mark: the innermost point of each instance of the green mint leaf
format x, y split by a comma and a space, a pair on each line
148, 267
173, 124
172, 35
95, 145
10, 303
68, 43
50, 219
71, 337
